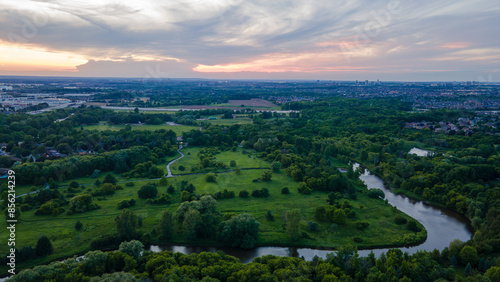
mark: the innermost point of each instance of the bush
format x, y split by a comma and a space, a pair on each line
78, 225
244, 194
123, 204
269, 216
303, 189
170, 189
74, 184
148, 191
211, 177
412, 226
376, 194
266, 176
130, 184
260, 193
43, 247
357, 239
400, 220
232, 163
312, 226
110, 179
182, 168
285, 191
361, 225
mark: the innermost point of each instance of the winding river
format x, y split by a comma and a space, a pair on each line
443, 226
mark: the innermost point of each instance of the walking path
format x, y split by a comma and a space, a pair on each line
169, 174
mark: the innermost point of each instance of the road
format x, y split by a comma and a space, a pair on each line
169, 174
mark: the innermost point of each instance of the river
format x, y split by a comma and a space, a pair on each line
443, 226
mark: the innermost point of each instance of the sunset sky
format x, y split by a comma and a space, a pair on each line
253, 39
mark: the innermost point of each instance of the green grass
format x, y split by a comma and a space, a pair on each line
67, 241
249, 160
178, 129
220, 121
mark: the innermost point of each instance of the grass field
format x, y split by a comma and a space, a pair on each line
220, 121
248, 160
178, 129
67, 241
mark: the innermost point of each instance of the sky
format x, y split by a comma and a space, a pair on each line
389, 40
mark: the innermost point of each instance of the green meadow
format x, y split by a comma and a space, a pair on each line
67, 241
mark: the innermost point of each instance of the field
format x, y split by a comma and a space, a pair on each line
248, 160
178, 129
67, 241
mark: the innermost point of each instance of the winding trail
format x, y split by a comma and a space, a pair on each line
169, 174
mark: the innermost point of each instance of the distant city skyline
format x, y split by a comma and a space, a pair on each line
392, 40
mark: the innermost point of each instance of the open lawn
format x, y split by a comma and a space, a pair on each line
178, 129
67, 241
248, 160
220, 121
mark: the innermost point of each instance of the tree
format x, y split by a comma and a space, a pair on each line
232, 163
148, 191
211, 177
339, 216
266, 176
469, 255
376, 194
493, 273
110, 179
166, 226
125, 225
133, 248
293, 223
468, 270
78, 225
43, 247
74, 184
163, 181
276, 166
170, 189
244, 194
192, 220
240, 231
285, 191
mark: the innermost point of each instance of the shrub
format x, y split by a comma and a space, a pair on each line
182, 168
303, 189
232, 163
269, 216
211, 177
312, 226
357, 239
110, 179
400, 220
260, 193
412, 226
170, 189
123, 204
129, 184
244, 194
376, 194
361, 225
285, 191
78, 225
74, 184
147, 191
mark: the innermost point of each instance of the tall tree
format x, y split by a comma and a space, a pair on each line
166, 225
125, 225
293, 223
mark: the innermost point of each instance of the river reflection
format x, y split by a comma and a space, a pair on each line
443, 226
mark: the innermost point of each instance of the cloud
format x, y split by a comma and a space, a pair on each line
193, 37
